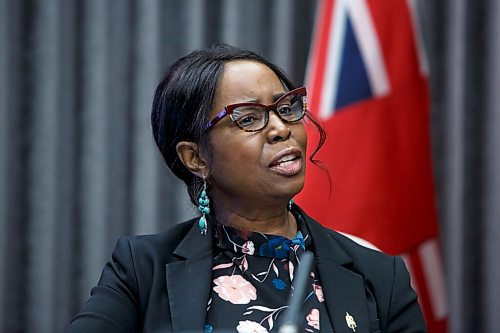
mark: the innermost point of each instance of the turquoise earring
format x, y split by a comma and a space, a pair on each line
203, 207
290, 203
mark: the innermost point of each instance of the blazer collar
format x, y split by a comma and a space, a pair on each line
325, 246
344, 289
189, 280
194, 244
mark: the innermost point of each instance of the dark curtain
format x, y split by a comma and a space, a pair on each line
78, 166
463, 43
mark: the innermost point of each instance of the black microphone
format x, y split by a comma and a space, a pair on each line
293, 316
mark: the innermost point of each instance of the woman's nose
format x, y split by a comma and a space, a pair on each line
276, 130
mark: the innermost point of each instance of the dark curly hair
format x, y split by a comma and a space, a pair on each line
184, 99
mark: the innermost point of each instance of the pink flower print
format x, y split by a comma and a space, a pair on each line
235, 289
249, 326
318, 290
248, 248
313, 319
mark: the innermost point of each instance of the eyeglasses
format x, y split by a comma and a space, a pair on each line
253, 117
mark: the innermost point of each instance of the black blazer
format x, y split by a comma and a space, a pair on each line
161, 283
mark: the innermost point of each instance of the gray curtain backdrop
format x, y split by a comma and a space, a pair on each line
78, 166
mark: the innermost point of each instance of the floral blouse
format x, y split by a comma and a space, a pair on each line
252, 277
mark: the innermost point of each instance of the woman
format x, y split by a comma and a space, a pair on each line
230, 124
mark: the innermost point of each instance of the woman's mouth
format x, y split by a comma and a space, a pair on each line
288, 165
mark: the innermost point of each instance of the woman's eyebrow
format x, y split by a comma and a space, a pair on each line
277, 96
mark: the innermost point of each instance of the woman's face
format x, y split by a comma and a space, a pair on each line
265, 167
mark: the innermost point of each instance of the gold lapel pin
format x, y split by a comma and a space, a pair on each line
350, 322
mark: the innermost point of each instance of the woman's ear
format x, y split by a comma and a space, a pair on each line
190, 156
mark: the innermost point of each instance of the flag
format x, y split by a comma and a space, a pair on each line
368, 84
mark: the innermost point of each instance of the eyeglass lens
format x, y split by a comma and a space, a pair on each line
254, 117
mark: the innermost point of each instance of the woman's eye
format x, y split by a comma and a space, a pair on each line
285, 110
247, 120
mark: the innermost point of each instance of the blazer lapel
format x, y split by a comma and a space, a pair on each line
188, 280
345, 297
344, 290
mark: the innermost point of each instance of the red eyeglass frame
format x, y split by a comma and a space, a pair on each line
229, 109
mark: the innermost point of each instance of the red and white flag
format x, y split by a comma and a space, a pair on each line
368, 83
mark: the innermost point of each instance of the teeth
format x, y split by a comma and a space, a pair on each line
286, 163
286, 158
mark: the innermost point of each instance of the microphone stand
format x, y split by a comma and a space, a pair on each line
294, 314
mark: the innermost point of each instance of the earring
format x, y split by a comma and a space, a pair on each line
290, 203
203, 203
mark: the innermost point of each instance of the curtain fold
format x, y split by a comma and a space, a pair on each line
491, 242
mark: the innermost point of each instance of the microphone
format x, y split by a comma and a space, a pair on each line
292, 317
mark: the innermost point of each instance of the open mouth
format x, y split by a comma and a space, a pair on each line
288, 164
286, 160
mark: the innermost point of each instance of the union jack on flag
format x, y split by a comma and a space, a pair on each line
368, 83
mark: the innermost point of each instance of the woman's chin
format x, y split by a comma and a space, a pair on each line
288, 190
